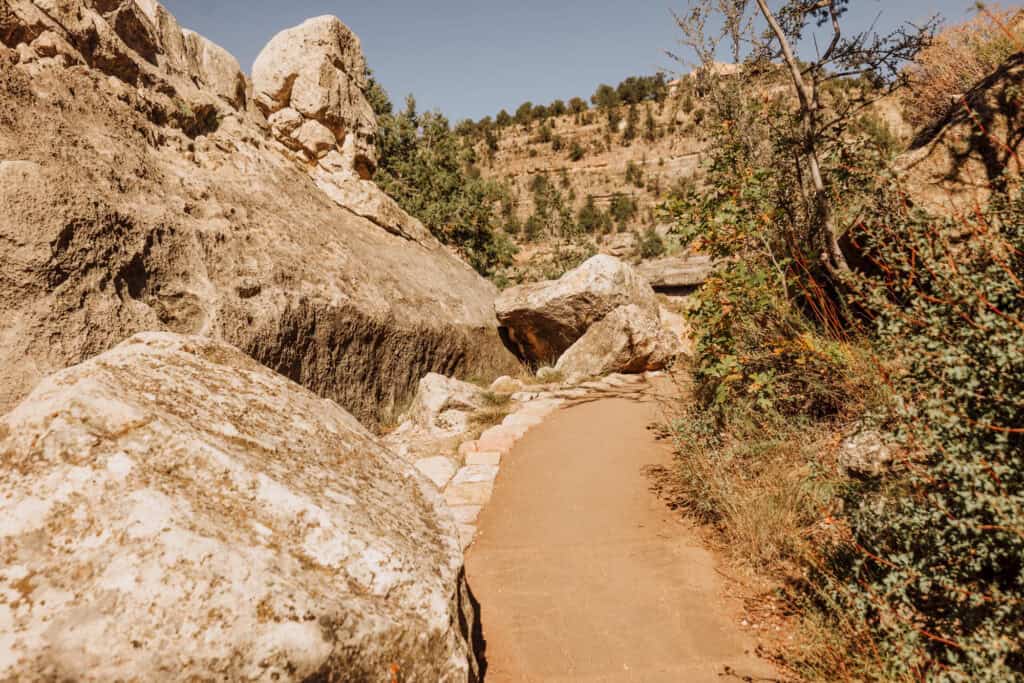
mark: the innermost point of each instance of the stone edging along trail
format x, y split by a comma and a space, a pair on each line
467, 489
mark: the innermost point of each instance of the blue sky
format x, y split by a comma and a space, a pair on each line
470, 58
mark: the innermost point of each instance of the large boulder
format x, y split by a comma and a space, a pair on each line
310, 82
443, 405
539, 321
630, 339
126, 206
316, 71
955, 163
171, 510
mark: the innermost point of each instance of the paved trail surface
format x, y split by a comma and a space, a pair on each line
583, 574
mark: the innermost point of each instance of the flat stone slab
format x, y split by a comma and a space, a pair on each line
465, 514
573, 393
439, 470
468, 447
500, 438
474, 474
673, 273
521, 419
484, 458
468, 494
499, 432
623, 380
541, 407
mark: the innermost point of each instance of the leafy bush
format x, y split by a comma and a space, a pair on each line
651, 244
524, 114
919, 574
634, 174
636, 89
940, 573
755, 348
622, 208
428, 170
576, 151
650, 126
544, 135
605, 97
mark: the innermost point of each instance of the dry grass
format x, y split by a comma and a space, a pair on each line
961, 56
530, 379
768, 489
497, 408
763, 488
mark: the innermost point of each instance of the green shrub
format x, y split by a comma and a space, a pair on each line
524, 114
634, 174
533, 229
622, 208
589, 217
576, 151
940, 572
428, 170
650, 126
651, 244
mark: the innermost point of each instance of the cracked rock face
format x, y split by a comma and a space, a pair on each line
136, 41
628, 340
315, 74
172, 510
142, 188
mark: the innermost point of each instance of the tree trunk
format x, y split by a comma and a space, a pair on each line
833, 258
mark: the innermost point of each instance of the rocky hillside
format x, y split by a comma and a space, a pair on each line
581, 179
147, 184
586, 155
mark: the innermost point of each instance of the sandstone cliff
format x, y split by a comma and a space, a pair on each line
142, 187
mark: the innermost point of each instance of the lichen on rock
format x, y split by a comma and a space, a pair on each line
171, 510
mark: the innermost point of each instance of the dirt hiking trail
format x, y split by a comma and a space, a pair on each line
583, 574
